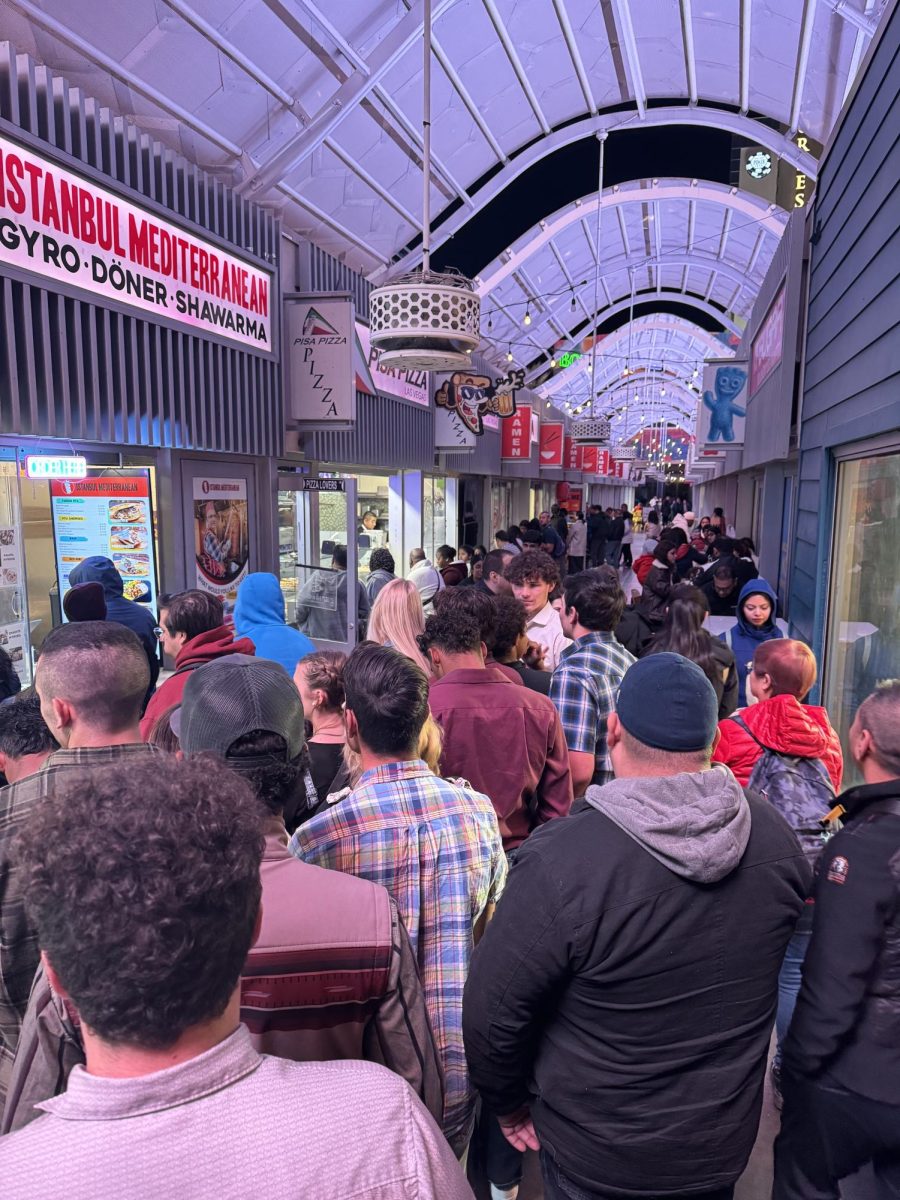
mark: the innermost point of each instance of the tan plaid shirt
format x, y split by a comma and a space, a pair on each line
19, 953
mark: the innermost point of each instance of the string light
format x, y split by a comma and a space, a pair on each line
527, 319
509, 354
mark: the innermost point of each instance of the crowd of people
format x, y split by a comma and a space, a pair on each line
538, 866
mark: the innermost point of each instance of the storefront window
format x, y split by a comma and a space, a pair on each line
372, 518
862, 646
439, 514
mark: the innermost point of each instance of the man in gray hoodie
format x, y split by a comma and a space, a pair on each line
618, 1009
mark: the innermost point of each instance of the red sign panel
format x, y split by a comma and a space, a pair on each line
515, 434
589, 460
765, 354
572, 455
551, 444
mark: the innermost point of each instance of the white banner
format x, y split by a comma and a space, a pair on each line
318, 347
407, 385
450, 432
722, 412
62, 227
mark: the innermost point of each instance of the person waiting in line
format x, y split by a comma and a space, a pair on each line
722, 592
512, 645
397, 620
322, 603
551, 541
433, 844
841, 1072
10, 683
193, 631
755, 624
627, 538
630, 973
745, 549
658, 583
722, 554
505, 541
533, 576
85, 602
162, 735
453, 572
25, 739
319, 679
615, 531
718, 521
381, 572
477, 706
492, 577
584, 684
577, 544
425, 576
597, 524
259, 616
476, 572
652, 526
682, 633
153, 970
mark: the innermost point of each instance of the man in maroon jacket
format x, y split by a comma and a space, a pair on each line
505, 739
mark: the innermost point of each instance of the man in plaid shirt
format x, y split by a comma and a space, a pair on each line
433, 844
584, 685
91, 678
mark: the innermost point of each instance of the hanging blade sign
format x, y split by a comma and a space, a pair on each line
472, 396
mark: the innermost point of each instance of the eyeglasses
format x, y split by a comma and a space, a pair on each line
158, 632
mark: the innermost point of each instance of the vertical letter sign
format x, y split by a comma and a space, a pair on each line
318, 347
551, 444
515, 434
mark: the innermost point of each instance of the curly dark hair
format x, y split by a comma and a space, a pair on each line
146, 911
260, 758
22, 728
509, 624
454, 629
478, 604
532, 566
382, 560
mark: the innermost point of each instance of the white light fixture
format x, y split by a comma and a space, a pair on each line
527, 320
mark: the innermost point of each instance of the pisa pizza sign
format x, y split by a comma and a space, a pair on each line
69, 231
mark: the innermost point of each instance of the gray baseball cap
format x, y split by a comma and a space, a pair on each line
232, 696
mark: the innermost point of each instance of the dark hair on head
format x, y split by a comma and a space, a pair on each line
388, 695
789, 663
259, 758
10, 683
718, 512
145, 911
339, 557
493, 562
193, 612
531, 537
724, 545
510, 621
662, 550
100, 668
478, 604
743, 548
723, 573
369, 513
597, 598
381, 559
324, 671
480, 551
682, 632
501, 535
676, 535
22, 728
162, 735
453, 629
879, 713
532, 566
470, 550
446, 551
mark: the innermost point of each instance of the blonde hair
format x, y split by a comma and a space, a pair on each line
431, 743
397, 618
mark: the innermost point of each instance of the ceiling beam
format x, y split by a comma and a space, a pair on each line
687, 37
516, 63
744, 72
862, 21
622, 16
807, 23
562, 15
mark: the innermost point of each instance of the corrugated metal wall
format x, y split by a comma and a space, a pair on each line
853, 330
70, 368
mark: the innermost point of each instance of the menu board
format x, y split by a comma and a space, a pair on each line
110, 516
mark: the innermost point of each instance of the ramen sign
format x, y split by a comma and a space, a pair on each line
66, 230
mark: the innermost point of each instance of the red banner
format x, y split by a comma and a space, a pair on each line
590, 460
515, 434
605, 459
551, 444
572, 455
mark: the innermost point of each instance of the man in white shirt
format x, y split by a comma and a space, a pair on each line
425, 576
533, 576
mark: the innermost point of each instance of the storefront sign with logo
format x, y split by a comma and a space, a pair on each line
722, 413
470, 396
109, 516
68, 230
572, 455
515, 434
406, 385
551, 444
221, 534
450, 432
318, 341
55, 466
590, 460
765, 353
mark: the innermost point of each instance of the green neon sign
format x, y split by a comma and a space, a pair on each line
569, 358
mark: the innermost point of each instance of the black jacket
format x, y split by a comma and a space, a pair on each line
719, 606
742, 569
616, 529
598, 526
847, 1021
631, 1007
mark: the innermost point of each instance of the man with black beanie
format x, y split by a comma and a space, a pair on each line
618, 1010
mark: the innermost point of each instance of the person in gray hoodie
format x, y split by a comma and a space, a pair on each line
619, 1007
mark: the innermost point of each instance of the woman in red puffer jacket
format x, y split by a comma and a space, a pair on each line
783, 672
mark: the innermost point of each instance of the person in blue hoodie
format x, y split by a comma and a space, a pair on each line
136, 617
755, 624
259, 616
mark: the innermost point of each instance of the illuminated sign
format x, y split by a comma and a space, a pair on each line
55, 466
569, 359
759, 164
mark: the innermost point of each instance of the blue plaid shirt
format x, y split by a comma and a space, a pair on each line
436, 847
583, 688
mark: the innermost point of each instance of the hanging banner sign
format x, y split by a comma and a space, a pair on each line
406, 385
551, 443
450, 433
590, 460
765, 353
65, 229
471, 396
572, 455
319, 339
221, 534
722, 416
107, 516
515, 434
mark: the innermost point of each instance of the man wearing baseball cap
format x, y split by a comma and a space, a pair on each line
619, 1007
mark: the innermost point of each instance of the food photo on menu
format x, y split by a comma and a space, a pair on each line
132, 564
138, 590
128, 537
129, 512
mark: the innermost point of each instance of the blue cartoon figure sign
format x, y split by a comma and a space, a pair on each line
724, 385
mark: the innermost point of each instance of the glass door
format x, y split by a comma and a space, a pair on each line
318, 560
15, 632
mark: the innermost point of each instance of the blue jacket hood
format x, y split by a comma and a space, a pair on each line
259, 602
98, 569
756, 587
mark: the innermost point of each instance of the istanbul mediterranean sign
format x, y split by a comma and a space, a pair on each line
67, 230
